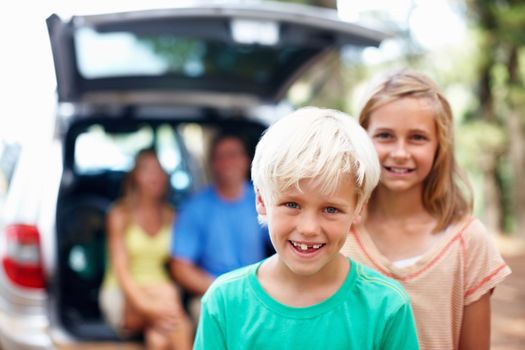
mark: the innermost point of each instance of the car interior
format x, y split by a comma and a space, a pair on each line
97, 154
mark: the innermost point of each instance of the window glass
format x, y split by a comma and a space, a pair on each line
97, 150
126, 54
170, 157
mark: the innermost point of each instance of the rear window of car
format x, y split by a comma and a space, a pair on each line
117, 54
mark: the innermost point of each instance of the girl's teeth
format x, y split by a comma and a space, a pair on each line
304, 246
399, 171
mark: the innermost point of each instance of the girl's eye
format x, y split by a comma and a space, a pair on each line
291, 205
383, 135
331, 210
419, 137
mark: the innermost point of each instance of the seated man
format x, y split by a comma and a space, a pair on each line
217, 230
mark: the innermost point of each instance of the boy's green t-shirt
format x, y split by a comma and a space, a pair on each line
369, 311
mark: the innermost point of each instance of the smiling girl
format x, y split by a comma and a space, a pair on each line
418, 228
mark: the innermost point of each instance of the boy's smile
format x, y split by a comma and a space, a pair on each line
306, 247
308, 227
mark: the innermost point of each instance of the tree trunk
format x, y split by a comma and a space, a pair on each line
516, 135
493, 198
517, 161
493, 213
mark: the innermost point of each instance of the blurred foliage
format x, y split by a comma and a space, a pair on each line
478, 140
483, 79
500, 26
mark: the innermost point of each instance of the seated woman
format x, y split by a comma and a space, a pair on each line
137, 294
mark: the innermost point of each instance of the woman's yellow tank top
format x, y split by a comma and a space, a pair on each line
147, 256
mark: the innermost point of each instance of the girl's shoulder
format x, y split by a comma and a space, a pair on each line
473, 230
477, 238
484, 264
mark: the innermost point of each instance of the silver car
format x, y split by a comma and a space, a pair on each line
163, 78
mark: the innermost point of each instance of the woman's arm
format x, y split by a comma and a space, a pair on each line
155, 309
475, 329
116, 227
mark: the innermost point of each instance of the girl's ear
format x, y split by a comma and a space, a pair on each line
259, 204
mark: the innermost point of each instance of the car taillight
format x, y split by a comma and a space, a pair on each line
22, 260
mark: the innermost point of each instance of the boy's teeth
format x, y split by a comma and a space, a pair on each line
304, 246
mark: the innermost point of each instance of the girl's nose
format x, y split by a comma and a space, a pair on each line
400, 151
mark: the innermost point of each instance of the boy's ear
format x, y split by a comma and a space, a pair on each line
359, 216
259, 204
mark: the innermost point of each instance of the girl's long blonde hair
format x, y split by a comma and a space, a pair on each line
447, 194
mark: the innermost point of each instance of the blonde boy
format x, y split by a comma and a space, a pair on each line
313, 171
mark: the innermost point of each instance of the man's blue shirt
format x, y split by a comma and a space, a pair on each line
218, 235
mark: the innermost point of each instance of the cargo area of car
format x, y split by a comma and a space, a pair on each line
88, 190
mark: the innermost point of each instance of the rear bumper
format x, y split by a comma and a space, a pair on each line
24, 333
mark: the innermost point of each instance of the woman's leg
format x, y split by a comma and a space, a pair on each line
132, 321
117, 313
181, 333
156, 340
181, 338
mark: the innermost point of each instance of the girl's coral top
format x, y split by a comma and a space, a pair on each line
461, 268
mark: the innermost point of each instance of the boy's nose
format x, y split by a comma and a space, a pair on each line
309, 224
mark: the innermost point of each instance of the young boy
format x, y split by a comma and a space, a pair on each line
313, 171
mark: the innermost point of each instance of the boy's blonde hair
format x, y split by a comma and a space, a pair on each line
322, 145
443, 194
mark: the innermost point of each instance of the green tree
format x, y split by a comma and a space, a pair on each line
501, 93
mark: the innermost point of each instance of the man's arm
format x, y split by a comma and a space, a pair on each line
190, 277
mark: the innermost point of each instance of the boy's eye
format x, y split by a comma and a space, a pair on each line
331, 210
291, 205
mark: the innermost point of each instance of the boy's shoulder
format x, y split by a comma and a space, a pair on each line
231, 281
374, 285
236, 275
